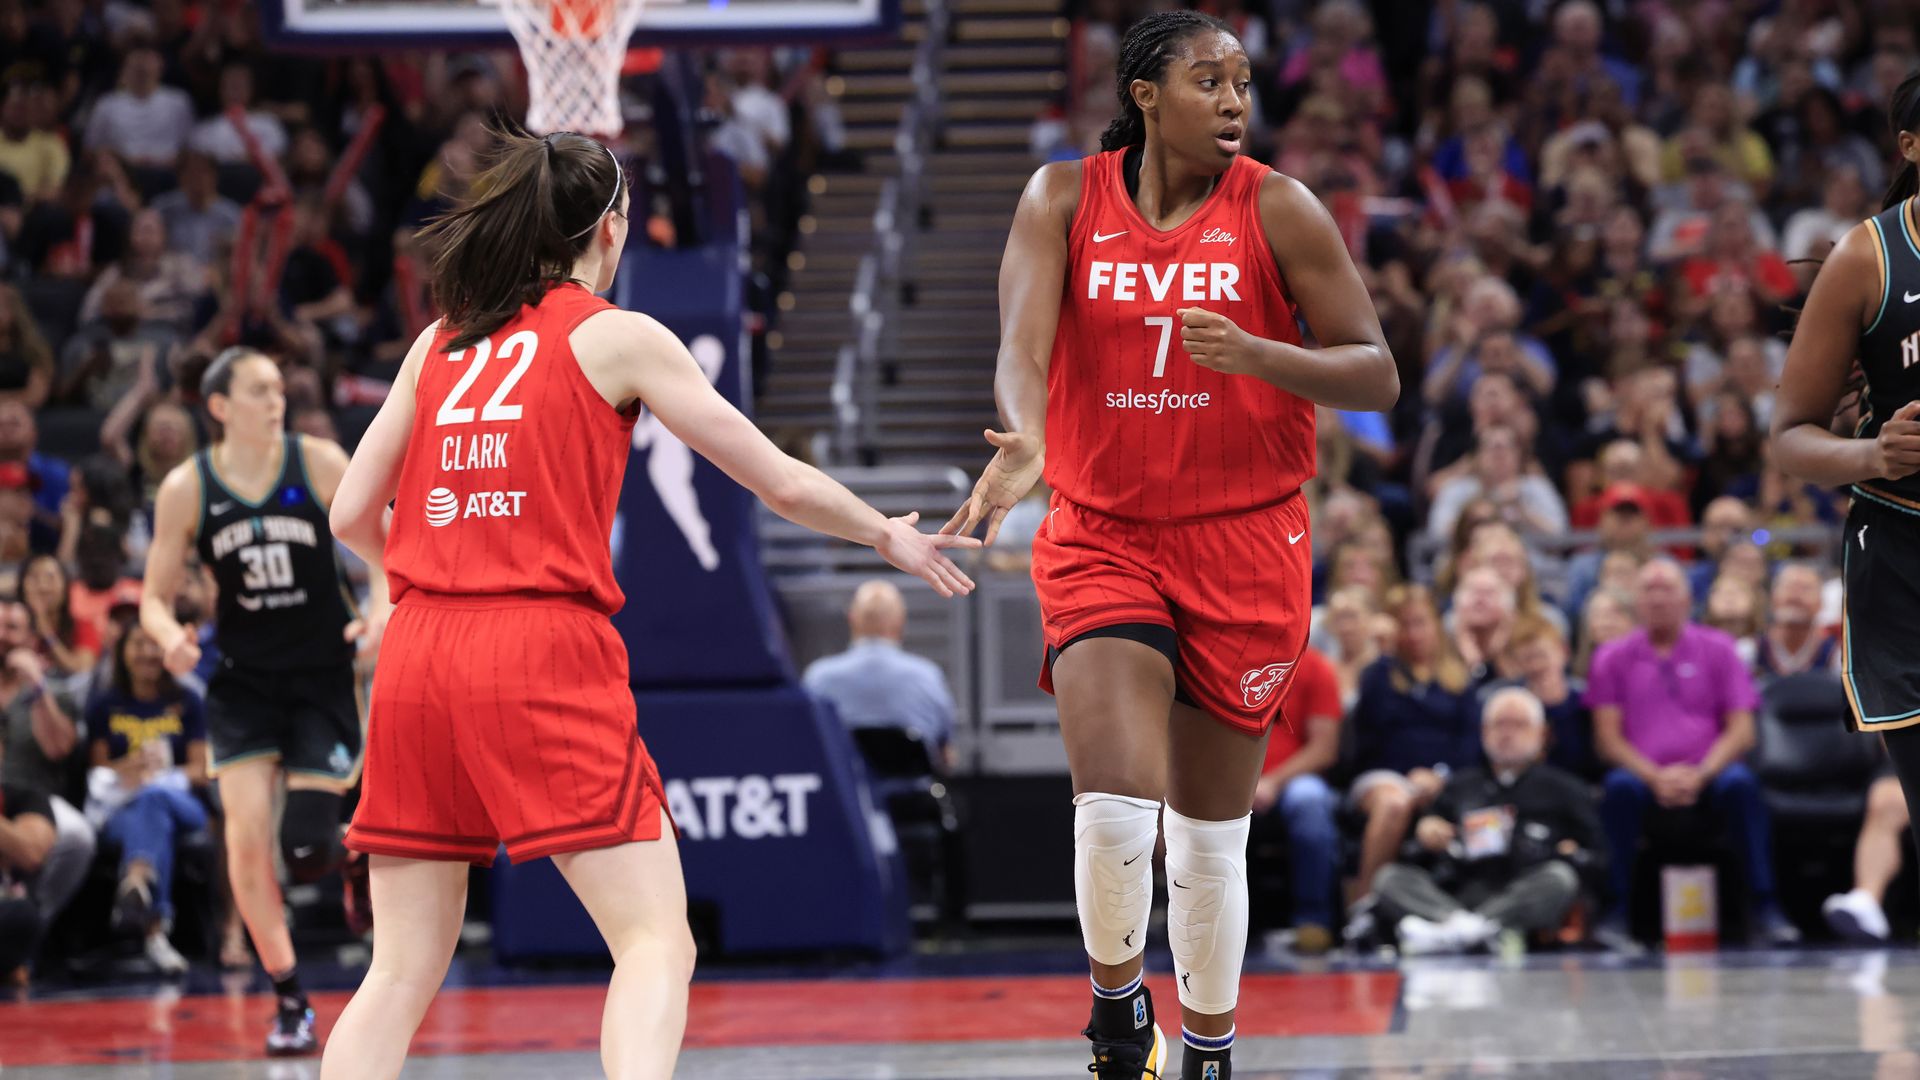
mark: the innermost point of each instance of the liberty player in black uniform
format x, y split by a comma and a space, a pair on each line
284, 697
1865, 308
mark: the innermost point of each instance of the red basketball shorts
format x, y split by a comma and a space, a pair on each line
1237, 592
502, 719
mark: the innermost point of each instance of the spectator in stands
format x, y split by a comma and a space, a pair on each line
26, 361
142, 122
27, 842
229, 141
167, 438
1624, 527
1502, 474
733, 138
1733, 319
170, 284
199, 221
1498, 547
755, 105
1292, 788
1812, 231
1504, 847
1576, 56
83, 230
115, 351
1714, 130
23, 530
1606, 616
876, 683
1822, 149
1537, 658
1735, 445
69, 646
1483, 336
1738, 610
1857, 915
102, 583
310, 169
1735, 260
38, 736
1351, 644
1480, 622
1625, 470
1725, 520
1411, 725
1681, 229
37, 160
148, 747
1794, 641
1673, 714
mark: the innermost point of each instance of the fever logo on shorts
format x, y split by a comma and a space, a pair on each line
442, 507
1258, 685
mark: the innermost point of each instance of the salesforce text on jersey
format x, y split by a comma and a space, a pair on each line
1158, 401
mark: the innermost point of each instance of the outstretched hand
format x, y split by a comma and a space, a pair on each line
924, 555
1015, 468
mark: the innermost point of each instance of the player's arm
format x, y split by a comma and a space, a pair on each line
1033, 274
176, 517
358, 509
1352, 367
1844, 299
326, 465
634, 356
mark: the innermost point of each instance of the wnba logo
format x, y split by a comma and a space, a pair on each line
442, 507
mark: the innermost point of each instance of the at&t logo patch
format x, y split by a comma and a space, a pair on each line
442, 507
1258, 685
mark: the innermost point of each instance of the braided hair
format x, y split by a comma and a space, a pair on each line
1144, 54
1903, 114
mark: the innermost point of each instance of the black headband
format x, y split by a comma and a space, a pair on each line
619, 176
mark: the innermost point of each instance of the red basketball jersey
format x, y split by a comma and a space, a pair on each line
1135, 428
512, 476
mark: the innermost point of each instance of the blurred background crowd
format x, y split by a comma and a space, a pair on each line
1585, 226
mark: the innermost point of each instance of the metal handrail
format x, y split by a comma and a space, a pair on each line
875, 302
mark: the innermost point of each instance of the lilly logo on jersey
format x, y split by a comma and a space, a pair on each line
1258, 685
1218, 236
444, 507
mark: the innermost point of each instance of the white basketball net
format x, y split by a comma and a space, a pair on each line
573, 51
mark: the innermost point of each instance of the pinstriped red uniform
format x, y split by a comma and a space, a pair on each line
502, 710
1176, 487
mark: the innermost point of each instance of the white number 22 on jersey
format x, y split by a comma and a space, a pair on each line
526, 343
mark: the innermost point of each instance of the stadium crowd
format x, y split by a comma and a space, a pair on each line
1585, 226
171, 185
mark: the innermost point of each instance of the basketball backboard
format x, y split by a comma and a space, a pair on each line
409, 24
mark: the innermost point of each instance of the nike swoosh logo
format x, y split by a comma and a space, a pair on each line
1133, 860
219, 508
251, 603
1294, 538
1177, 885
302, 852
1099, 238
1910, 297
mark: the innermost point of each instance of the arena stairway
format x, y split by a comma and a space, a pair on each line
1004, 62
871, 86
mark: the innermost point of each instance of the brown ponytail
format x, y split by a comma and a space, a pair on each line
530, 215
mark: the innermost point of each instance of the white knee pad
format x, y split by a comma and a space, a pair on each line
1207, 908
1113, 872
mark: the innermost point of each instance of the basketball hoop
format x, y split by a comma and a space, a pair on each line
573, 51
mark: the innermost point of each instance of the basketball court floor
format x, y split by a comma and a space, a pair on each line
1817, 1015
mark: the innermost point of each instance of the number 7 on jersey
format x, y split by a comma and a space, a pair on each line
1165, 323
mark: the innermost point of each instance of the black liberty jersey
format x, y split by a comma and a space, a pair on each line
1890, 348
284, 603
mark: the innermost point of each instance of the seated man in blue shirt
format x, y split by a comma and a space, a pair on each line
876, 683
